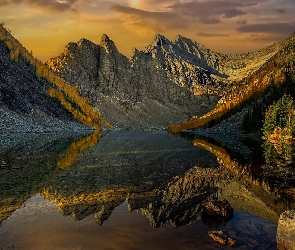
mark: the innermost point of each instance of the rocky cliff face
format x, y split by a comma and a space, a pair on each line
133, 92
188, 64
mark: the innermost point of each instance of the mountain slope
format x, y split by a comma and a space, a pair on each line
32, 98
276, 71
24, 105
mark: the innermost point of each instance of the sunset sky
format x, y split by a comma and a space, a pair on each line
232, 26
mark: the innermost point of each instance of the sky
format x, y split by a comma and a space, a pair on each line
45, 27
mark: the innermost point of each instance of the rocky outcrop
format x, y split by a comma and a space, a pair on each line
286, 231
188, 64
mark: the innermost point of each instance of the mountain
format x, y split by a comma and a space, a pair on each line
34, 99
169, 81
178, 84
130, 93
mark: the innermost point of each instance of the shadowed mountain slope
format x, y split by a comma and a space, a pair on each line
33, 98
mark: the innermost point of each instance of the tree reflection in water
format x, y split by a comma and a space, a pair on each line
79, 146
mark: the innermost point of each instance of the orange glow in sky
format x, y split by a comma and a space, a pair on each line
227, 26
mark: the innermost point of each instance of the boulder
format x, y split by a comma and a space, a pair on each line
216, 213
218, 208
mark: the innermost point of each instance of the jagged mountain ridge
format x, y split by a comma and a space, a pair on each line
130, 93
168, 82
158, 79
200, 70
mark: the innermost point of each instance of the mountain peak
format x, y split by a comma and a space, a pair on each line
83, 41
179, 37
159, 37
105, 38
160, 40
186, 40
108, 44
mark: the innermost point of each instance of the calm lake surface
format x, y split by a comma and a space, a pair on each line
134, 190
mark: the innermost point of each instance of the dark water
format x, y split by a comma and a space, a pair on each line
133, 190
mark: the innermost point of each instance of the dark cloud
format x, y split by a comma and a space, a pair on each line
6, 2
242, 22
280, 11
204, 34
180, 15
273, 28
59, 5
152, 21
209, 12
264, 38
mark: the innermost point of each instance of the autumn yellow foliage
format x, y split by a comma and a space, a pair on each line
279, 137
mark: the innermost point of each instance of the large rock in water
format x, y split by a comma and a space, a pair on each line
130, 93
216, 212
286, 231
218, 208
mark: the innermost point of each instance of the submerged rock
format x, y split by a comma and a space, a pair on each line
286, 231
221, 238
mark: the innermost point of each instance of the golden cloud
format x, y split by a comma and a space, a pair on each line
145, 22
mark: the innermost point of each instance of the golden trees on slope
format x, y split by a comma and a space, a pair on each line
256, 87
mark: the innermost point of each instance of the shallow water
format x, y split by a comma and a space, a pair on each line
130, 190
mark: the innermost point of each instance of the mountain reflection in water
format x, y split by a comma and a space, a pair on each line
165, 178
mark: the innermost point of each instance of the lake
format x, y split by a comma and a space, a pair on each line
135, 190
